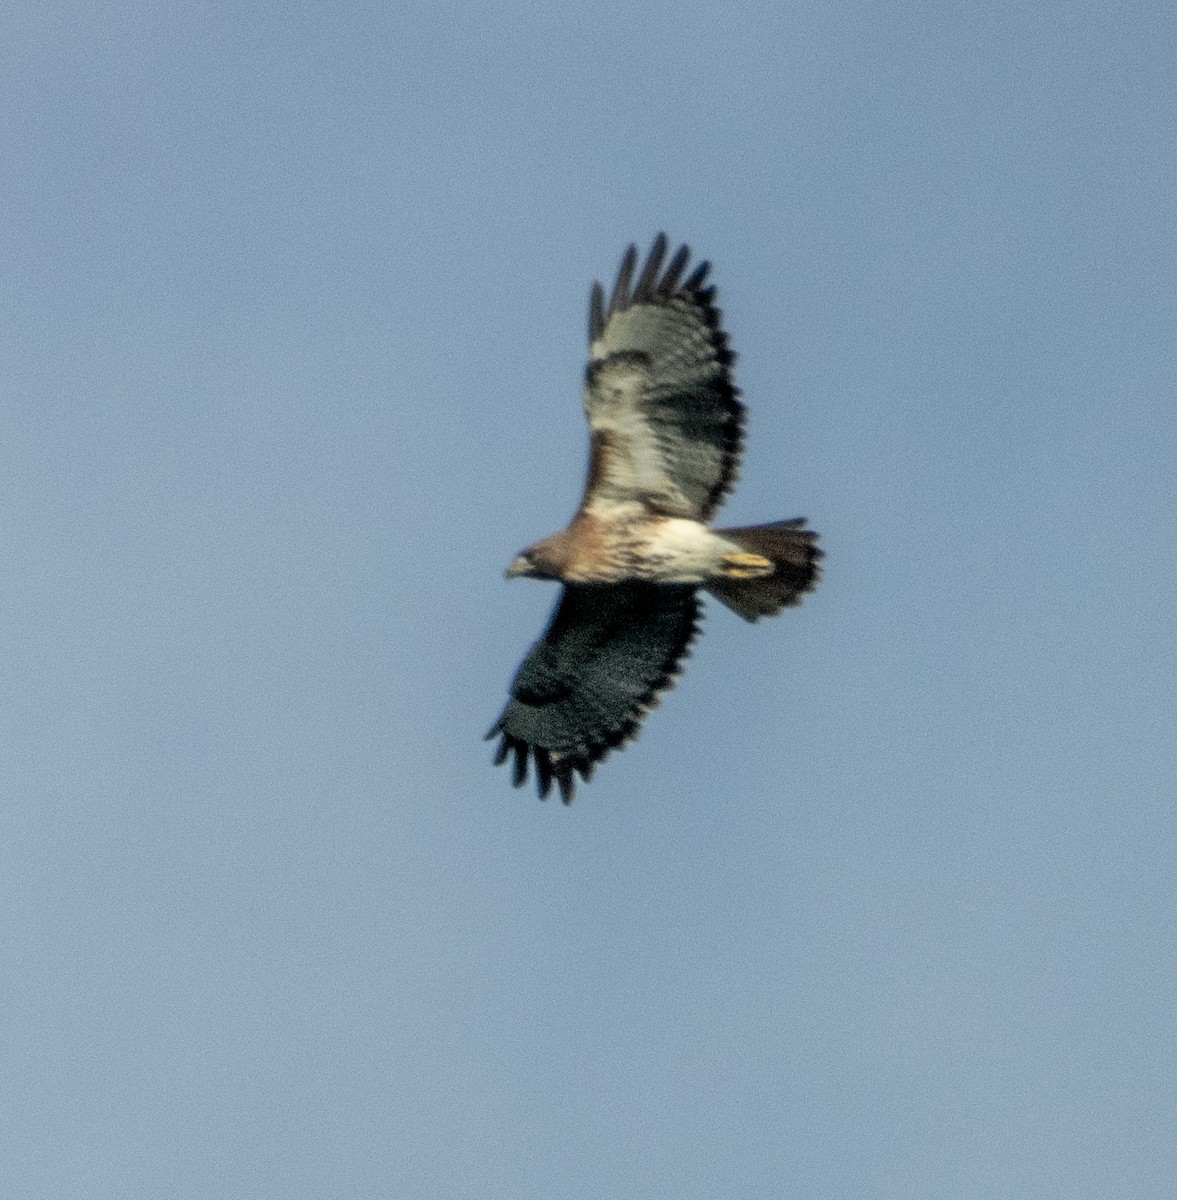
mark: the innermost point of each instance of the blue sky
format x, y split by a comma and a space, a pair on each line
882, 903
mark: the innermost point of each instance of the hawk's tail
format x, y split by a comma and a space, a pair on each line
794, 554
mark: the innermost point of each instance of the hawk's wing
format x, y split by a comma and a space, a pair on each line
667, 427
585, 686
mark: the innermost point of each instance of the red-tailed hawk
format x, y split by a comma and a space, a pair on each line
667, 433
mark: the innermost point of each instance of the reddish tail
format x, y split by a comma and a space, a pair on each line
794, 554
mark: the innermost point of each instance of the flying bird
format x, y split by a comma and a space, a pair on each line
666, 429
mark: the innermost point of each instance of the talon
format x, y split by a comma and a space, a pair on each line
743, 565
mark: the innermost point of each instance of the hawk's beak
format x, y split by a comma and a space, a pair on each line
519, 566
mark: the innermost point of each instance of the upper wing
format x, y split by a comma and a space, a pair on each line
585, 686
667, 427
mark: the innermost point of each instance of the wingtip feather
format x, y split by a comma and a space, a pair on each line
620, 298
695, 280
645, 288
677, 265
596, 312
519, 771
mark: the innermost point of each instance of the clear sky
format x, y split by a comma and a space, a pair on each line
882, 904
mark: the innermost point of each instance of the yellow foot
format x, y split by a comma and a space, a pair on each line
745, 566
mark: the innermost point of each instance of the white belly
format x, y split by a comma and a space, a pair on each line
677, 550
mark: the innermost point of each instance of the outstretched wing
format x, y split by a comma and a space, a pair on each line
667, 427
586, 685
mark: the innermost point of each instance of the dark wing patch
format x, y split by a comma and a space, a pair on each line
665, 416
586, 685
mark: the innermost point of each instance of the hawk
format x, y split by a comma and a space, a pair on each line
666, 430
